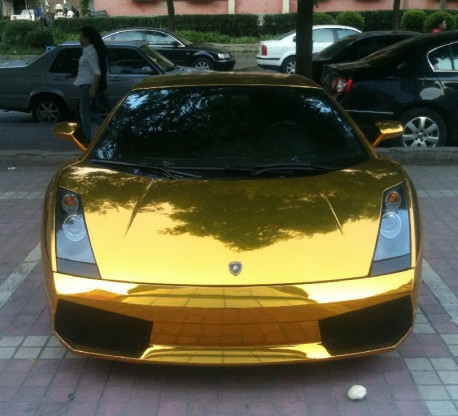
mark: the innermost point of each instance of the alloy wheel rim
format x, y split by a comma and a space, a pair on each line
421, 132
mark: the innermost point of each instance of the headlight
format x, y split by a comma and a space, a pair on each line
224, 55
392, 252
73, 248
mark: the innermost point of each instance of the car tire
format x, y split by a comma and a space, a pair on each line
423, 127
289, 65
203, 63
48, 109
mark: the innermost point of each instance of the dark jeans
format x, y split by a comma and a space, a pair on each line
86, 113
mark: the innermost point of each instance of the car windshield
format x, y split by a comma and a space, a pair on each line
228, 131
158, 58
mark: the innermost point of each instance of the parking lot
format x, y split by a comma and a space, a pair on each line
39, 377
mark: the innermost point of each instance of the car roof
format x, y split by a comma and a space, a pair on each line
201, 78
351, 39
373, 33
134, 43
334, 27
416, 44
130, 29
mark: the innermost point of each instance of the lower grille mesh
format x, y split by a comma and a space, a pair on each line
377, 326
89, 328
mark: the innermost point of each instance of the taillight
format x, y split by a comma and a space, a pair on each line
341, 84
263, 50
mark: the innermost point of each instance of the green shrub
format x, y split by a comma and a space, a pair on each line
430, 19
279, 24
413, 20
378, 19
204, 37
15, 32
354, 19
321, 18
39, 38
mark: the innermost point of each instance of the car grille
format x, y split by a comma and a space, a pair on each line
377, 326
87, 328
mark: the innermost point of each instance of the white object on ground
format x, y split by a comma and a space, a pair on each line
356, 392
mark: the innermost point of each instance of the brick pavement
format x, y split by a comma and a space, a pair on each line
38, 377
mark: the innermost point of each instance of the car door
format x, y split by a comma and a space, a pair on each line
170, 47
62, 73
322, 38
127, 66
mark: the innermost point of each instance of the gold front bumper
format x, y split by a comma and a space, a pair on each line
234, 325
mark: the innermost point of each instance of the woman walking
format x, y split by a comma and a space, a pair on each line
91, 78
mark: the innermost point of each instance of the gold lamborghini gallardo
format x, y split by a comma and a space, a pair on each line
227, 219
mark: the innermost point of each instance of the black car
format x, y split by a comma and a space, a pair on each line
415, 82
179, 50
355, 47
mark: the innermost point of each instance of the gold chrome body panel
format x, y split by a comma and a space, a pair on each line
235, 325
187, 232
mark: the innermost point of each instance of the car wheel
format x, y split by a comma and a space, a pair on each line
48, 109
289, 65
422, 128
203, 63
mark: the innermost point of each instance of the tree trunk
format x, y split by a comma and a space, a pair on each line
170, 16
304, 43
396, 14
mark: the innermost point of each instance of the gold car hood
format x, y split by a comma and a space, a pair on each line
307, 229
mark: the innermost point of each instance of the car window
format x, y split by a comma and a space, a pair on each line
440, 59
322, 35
128, 61
129, 35
455, 56
228, 128
366, 48
66, 61
343, 33
159, 38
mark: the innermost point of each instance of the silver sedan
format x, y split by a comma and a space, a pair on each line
44, 86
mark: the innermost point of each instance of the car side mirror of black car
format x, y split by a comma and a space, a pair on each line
387, 130
72, 132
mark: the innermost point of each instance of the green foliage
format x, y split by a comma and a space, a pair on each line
321, 18
430, 19
413, 20
39, 38
225, 24
84, 4
276, 24
15, 31
354, 19
204, 37
378, 19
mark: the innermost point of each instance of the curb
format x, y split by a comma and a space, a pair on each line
421, 156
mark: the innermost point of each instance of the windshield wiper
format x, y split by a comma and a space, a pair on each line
146, 169
292, 167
